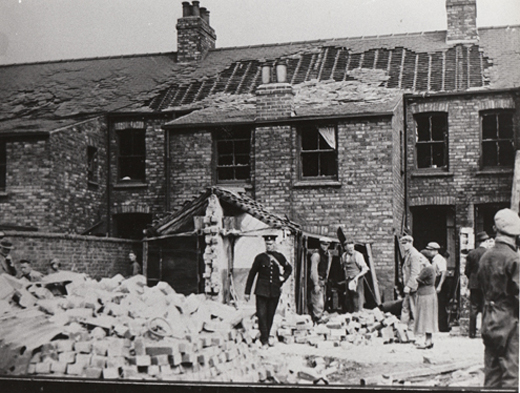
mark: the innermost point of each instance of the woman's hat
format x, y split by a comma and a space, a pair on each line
481, 236
6, 244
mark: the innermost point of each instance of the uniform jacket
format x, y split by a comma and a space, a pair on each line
472, 264
268, 283
498, 278
414, 261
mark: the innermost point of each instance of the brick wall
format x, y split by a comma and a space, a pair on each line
98, 257
47, 185
274, 101
194, 38
461, 20
465, 184
190, 165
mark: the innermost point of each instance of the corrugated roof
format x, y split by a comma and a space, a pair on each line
420, 62
171, 223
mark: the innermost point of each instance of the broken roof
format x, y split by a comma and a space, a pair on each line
60, 93
176, 221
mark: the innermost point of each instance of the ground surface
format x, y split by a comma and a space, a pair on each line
351, 363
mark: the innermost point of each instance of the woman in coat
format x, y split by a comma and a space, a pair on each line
426, 321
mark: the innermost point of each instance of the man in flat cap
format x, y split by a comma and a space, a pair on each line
498, 277
273, 270
413, 263
470, 270
6, 263
440, 266
355, 268
321, 261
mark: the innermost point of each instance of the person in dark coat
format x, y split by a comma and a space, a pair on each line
498, 277
135, 267
470, 271
6, 262
273, 270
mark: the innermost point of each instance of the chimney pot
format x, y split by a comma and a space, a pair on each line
204, 14
281, 72
266, 73
195, 8
186, 8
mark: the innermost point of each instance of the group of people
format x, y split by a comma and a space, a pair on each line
25, 270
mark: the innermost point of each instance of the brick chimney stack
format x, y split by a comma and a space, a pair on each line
195, 37
274, 97
462, 21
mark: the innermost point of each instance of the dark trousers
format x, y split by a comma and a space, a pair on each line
265, 310
442, 301
475, 306
501, 370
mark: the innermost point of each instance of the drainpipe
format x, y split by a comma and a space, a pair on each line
405, 152
109, 177
167, 169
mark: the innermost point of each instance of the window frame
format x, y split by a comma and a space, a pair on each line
496, 113
232, 134
432, 167
125, 133
301, 128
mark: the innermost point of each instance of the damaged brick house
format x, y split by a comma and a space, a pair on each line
375, 134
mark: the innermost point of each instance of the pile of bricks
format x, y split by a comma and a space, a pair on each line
351, 328
122, 329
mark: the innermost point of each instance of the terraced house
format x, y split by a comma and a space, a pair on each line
375, 134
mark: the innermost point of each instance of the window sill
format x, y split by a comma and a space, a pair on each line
245, 186
431, 173
317, 183
495, 171
126, 186
92, 184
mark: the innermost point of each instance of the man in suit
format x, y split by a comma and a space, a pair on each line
475, 294
273, 270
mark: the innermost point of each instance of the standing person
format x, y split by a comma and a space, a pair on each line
471, 271
273, 270
6, 263
135, 267
27, 272
440, 265
355, 267
498, 277
320, 267
413, 260
426, 308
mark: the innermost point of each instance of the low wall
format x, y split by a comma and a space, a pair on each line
97, 256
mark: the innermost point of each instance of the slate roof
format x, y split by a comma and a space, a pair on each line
54, 94
177, 220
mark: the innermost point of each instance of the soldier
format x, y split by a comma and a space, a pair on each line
498, 277
6, 263
471, 271
320, 267
273, 270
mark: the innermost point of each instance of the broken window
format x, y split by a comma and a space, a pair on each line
92, 164
498, 147
132, 155
3, 165
318, 152
431, 143
233, 154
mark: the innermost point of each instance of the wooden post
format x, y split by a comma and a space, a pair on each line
372, 267
145, 259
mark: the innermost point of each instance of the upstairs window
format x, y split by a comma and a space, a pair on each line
132, 155
92, 164
431, 143
233, 155
318, 152
498, 147
3, 166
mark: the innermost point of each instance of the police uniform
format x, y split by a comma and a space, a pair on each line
498, 277
273, 270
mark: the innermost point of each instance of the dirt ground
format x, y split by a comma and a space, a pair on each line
348, 364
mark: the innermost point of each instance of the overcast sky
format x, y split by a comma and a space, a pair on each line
42, 30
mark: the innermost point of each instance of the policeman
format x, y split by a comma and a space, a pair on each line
498, 278
273, 270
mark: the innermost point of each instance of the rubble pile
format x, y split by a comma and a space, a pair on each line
342, 330
121, 329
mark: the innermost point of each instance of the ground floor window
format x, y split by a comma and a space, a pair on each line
131, 225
